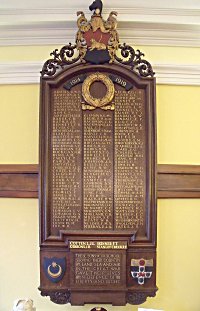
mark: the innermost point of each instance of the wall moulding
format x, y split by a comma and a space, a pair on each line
173, 181
146, 23
140, 13
19, 181
29, 73
131, 32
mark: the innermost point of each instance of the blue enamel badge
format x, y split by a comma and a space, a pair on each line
54, 268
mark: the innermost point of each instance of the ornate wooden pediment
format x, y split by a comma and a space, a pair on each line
97, 42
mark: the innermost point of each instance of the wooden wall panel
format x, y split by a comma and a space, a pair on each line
178, 181
19, 181
173, 181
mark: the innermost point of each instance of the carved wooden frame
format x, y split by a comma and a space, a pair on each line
141, 246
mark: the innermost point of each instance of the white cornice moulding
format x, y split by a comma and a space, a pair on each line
125, 13
29, 73
177, 74
131, 32
20, 73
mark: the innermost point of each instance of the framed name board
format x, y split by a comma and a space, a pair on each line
97, 170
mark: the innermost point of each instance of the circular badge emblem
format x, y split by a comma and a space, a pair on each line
98, 102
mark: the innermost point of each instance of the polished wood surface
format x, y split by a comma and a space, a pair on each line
19, 181
97, 183
178, 181
173, 181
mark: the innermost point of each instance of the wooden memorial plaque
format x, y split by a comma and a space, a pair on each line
97, 170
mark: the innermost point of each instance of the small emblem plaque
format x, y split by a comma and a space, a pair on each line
141, 269
54, 268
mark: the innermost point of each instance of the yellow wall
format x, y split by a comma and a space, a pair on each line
19, 124
178, 113
178, 124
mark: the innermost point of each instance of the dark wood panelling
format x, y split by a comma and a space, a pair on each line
173, 181
178, 181
19, 181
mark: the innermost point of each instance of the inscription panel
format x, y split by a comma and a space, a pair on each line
98, 163
66, 147
98, 170
130, 157
98, 269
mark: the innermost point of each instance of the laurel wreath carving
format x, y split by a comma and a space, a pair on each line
98, 102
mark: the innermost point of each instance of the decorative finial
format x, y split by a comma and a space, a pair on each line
97, 7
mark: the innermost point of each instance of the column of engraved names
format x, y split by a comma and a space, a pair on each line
66, 157
98, 170
97, 269
129, 159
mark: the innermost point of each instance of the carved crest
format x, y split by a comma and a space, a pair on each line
141, 270
54, 268
97, 42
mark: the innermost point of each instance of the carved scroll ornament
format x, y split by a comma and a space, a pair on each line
97, 42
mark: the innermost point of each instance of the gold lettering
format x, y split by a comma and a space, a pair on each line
98, 244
